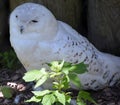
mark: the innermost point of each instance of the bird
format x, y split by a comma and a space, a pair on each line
38, 38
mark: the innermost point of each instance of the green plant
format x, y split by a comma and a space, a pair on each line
62, 73
9, 60
6, 91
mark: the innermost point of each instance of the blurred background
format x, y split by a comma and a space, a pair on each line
98, 20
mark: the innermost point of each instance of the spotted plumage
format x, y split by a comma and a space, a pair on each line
38, 38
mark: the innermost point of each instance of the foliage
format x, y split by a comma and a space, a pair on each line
62, 73
84, 96
6, 91
9, 60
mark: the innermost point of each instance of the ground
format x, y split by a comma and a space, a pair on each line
107, 96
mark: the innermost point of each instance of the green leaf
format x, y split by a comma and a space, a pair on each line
7, 91
41, 93
68, 98
9, 60
75, 79
56, 65
78, 68
48, 99
34, 99
80, 102
65, 81
61, 64
41, 81
60, 97
54, 74
34, 75
86, 96
66, 67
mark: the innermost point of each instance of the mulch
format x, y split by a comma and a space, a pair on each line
107, 96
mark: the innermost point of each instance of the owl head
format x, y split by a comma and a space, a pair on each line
33, 20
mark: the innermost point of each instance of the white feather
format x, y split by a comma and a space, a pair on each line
45, 39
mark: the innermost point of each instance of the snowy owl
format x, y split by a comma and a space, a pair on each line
38, 38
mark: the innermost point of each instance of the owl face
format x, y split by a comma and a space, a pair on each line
32, 18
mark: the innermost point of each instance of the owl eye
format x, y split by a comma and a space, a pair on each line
16, 16
34, 21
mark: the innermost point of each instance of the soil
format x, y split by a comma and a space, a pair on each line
107, 96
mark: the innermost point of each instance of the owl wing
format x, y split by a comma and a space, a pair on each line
72, 46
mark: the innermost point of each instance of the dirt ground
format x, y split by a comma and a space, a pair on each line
107, 96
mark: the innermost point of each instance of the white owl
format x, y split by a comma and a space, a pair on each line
38, 38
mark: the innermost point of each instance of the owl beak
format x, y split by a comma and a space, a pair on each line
21, 29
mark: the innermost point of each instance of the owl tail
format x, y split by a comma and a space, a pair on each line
112, 60
116, 61
113, 63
